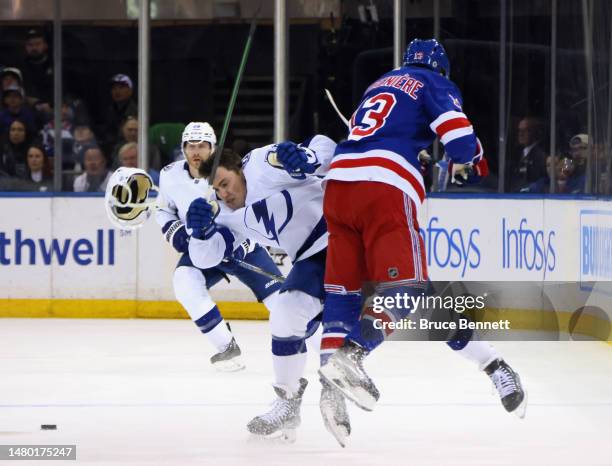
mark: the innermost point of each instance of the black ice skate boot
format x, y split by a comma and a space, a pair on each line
283, 418
344, 370
334, 412
508, 385
229, 359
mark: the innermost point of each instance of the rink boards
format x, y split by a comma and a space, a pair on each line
60, 256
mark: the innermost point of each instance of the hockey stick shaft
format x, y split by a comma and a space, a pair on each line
259, 270
333, 104
234, 95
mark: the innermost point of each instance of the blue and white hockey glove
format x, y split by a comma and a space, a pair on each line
201, 218
298, 161
243, 249
176, 234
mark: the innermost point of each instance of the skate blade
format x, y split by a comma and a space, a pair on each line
285, 436
339, 432
521, 409
231, 365
356, 394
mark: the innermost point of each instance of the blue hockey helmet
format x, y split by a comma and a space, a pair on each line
429, 53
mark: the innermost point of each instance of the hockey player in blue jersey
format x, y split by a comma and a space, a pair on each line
372, 195
285, 209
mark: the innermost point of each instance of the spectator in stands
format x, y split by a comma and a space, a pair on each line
566, 178
38, 71
128, 157
83, 139
530, 164
122, 106
579, 150
15, 108
47, 135
569, 181
128, 132
14, 146
11, 77
96, 175
579, 153
39, 175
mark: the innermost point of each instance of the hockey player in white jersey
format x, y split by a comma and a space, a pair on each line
180, 183
285, 209
282, 210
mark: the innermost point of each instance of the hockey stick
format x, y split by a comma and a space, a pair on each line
259, 270
333, 104
234, 95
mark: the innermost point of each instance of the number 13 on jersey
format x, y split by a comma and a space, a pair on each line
371, 115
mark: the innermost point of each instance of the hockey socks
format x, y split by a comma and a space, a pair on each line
480, 352
340, 314
288, 370
373, 327
215, 328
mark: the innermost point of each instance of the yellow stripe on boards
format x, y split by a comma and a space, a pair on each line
120, 309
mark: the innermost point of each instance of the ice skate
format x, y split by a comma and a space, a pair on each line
229, 359
282, 420
334, 412
508, 385
344, 370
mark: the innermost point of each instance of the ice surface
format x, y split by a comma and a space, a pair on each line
130, 392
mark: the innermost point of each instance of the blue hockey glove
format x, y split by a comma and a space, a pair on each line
295, 159
201, 218
176, 234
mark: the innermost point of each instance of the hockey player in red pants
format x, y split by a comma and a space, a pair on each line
373, 191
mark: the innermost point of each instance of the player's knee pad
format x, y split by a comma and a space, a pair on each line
291, 312
190, 290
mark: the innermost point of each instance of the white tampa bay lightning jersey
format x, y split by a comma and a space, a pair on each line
280, 210
177, 189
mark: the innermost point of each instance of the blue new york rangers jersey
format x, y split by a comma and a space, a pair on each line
400, 114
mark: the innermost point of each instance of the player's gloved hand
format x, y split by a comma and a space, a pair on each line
471, 172
243, 249
201, 218
425, 160
176, 234
295, 159
460, 172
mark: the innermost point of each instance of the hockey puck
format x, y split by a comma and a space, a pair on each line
48, 427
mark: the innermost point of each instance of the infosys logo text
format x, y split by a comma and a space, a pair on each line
453, 248
524, 248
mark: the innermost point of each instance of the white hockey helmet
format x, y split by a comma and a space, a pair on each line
198, 131
127, 201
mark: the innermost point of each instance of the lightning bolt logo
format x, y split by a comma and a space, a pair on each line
263, 216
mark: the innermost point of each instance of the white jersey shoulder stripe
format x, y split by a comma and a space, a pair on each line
456, 134
387, 154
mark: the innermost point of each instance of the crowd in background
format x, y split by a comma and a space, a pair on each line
93, 147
